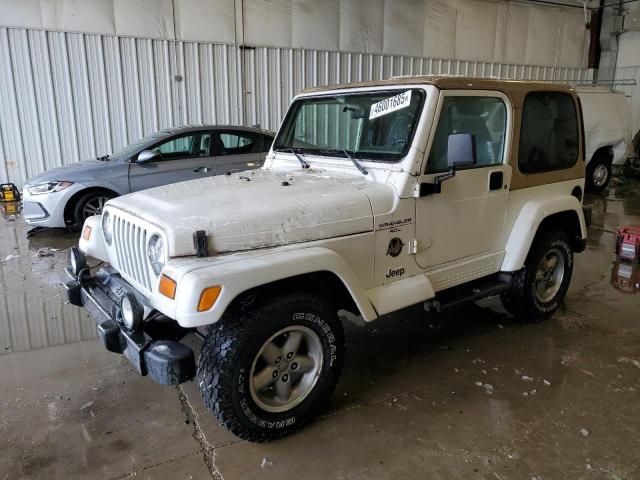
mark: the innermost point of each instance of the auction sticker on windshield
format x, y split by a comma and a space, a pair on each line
391, 104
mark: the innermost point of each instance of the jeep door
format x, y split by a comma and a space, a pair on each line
466, 218
239, 150
182, 157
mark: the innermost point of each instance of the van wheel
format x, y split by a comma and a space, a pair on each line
538, 289
88, 205
598, 174
266, 373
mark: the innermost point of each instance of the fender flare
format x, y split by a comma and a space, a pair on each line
94, 247
242, 274
526, 226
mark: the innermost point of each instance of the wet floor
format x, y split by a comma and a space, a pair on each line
467, 395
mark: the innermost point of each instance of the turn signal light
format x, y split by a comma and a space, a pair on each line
167, 287
208, 297
86, 232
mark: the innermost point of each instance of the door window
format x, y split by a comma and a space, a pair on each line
484, 117
187, 146
549, 133
238, 142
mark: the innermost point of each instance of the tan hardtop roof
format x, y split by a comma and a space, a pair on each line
515, 88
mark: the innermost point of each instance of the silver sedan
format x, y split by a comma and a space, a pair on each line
66, 196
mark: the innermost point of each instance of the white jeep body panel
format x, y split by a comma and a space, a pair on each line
253, 209
607, 121
95, 245
525, 215
284, 221
241, 274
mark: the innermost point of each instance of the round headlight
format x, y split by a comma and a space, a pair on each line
131, 312
155, 253
106, 227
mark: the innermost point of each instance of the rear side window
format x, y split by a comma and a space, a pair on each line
549, 133
235, 142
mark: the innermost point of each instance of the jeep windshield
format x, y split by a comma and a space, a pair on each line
374, 125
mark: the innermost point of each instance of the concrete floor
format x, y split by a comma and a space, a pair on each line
467, 395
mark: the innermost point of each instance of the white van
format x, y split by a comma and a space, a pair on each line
607, 128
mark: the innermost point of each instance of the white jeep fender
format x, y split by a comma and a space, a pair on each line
526, 225
237, 276
94, 246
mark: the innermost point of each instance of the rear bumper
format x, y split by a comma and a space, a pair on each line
168, 362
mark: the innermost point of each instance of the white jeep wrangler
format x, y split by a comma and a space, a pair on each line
374, 197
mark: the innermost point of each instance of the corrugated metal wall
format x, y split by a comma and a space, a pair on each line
69, 96
274, 75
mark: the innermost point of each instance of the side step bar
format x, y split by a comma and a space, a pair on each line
468, 293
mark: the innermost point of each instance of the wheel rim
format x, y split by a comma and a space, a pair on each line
549, 275
286, 369
600, 175
93, 207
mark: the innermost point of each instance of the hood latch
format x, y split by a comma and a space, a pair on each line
200, 244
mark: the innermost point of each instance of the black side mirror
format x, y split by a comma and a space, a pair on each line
148, 156
461, 150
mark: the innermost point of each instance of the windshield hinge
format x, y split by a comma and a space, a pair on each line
413, 246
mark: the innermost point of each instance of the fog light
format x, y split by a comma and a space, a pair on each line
77, 260
131, 312
86, 232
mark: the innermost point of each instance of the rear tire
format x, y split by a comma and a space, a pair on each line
598, 174
538, 289
89, 204
255, 380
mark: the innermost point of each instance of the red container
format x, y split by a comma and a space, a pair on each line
628, 244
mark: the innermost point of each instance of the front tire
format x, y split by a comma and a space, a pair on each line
598, 175
538, 289
89, 204
266, 372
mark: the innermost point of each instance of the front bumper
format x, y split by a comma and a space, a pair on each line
47, 209
167, 361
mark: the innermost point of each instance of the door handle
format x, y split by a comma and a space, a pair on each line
202, 169
233, 170
495, 180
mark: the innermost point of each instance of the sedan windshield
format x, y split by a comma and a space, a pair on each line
373, 125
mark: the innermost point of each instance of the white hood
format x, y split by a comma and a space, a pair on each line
254, 209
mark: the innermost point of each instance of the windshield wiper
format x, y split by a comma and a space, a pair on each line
353, 160
302, 161
104, 158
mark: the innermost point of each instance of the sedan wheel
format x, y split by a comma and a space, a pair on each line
94, 207
88, 205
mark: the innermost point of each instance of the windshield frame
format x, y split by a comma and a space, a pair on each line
363, 156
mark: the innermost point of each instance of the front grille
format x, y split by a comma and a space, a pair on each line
130, 244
